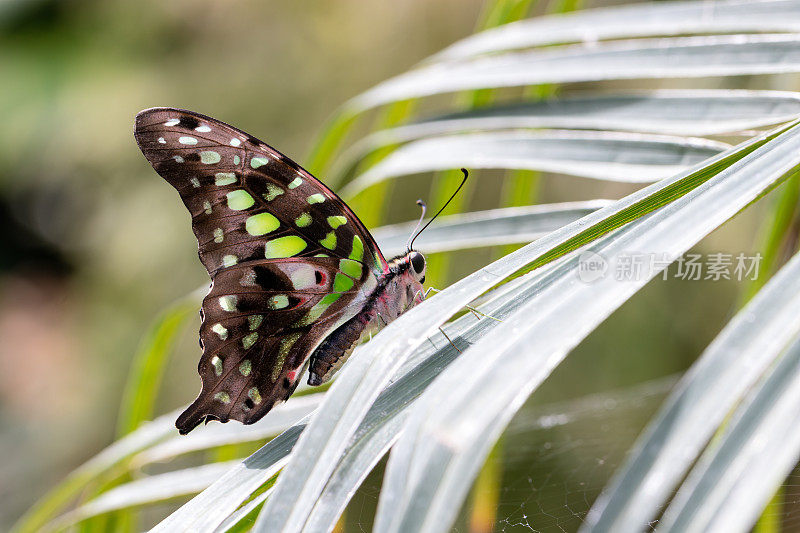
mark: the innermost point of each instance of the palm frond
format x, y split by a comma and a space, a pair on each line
434, 387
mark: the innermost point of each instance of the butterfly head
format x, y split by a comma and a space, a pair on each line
412, 266
408, 271
416, 262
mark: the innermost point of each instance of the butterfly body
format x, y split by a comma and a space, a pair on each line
296, 277
396, 292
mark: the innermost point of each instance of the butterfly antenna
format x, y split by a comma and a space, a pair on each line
419, 223
466, 175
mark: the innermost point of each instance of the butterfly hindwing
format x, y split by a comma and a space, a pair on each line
289, 261
260, 320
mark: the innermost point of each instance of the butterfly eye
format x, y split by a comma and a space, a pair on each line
417, 262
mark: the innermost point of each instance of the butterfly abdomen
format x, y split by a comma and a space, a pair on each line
396, 292
334, 350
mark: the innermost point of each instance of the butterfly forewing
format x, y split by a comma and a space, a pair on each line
238, 189
289, 261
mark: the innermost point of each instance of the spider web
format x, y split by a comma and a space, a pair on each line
555, 460
558, 458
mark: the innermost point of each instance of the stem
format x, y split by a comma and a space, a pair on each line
370, 204
329, 141
496, 13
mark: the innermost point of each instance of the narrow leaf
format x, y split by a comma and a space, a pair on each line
277, 420
461, 414
508, 225
679, 57
627, 157
148, 490
642, 20
733, 481
368, 370
146, 435
675, 112
148, 365
210, 508
700, 403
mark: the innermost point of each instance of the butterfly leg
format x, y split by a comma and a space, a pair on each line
478, 314
432, 343
449, 340
428, 291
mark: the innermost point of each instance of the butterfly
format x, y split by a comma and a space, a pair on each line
297, 281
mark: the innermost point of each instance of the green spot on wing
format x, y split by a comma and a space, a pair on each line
351, 268
249, 340
279, 301
329, 241
261, 224
255, 321
223, 397
245, 367
336, 221
209, 157
320, 307
316, 198
239, 200
254, 395
342, 283
224, 178
328, 299
358, 249
284, 247
298, 181
286, 344
220, 330
273, 191
258, 162
217, 362
228, 302
303, 220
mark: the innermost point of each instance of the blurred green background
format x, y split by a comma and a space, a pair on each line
95, 244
